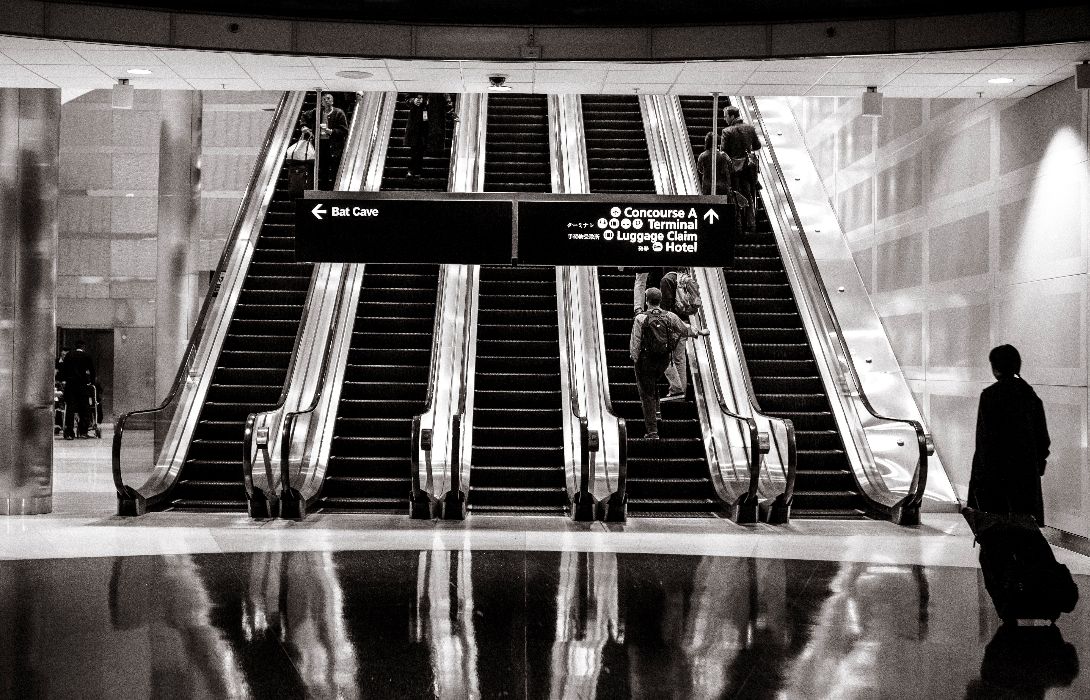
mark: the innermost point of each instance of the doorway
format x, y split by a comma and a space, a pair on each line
100, 346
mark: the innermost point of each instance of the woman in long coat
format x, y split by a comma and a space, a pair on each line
1011, 442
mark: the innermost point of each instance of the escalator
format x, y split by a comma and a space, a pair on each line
780, 359
252, 367
436, 164
386, 373
668, 477
518, 441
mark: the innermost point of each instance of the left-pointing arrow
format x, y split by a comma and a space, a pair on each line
318, 211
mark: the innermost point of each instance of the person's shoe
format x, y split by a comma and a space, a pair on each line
69, 436
84, 436
652, 436
673, 397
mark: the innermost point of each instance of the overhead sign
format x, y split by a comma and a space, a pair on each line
403, 230
675, 232
496, 229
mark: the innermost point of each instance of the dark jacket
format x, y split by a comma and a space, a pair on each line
668, 287
740, 138
77, 369
338, 125
430, 132
1011, 450
722, 176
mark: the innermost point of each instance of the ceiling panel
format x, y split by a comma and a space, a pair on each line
222, 84
833, 91
59, 54
895, 91
985, 91
378, 73
20, 77
50, 72
864, 64
949, 65
983, 78
1024, 66
864, 79
795, 65
926, 80
260, 73
1064, 52
774, 90
784, 78
272, 61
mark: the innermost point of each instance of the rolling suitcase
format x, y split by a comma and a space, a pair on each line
1021, 573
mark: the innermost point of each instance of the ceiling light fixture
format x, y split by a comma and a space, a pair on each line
121, 97
353, 74
1000, 81
872, 102
138, 71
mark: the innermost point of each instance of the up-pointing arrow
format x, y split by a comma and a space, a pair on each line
711, 216
318, 211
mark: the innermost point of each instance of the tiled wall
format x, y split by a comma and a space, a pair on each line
970, 224
109, 178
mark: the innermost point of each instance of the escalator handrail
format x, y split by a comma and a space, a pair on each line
429, 397
789, 426
919, 478
573, 400
289, 419
463, 379
196, 336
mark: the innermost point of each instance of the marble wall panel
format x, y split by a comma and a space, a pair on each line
899, 263
959, 248
942, 106
900, 116
136, 129
855, 205
959, 336
856, 140
1044, 227
899, 186
1027, 127
83, 127
135, 215
961, 161
135, 171
1046, 321
905, 334
86, 171
86, 257
133, 258
1066, 483
954, 416
134, 368
82, 215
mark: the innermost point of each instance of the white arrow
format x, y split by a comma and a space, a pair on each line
711, 216
318, 211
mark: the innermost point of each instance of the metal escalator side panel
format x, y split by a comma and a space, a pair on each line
568, 153
883, 456
457, 311
247, 227
325, 301
666, 140
725, 343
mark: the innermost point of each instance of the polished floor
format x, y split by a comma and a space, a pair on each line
95, 606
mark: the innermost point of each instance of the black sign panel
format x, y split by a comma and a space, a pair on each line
404, 230
666, 232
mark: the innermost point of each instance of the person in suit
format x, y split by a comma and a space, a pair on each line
1012, 442
333, 127
78, 374
416, 135
739, 140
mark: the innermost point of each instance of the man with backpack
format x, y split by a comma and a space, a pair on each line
681, 296
656, 333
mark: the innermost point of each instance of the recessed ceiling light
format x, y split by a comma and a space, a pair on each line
1000, 81
353, 74
138, 71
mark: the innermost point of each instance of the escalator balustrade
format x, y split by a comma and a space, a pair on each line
780, 358
253, 364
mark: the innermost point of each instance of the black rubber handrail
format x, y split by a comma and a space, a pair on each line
426, 493
918, 486
582, 497
463, 392
791, 472
128, 497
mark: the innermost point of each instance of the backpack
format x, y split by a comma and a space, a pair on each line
687, 297
657, 342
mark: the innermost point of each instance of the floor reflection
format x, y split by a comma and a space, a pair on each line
456, 624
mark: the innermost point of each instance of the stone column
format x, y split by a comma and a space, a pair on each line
29, 145
176, 282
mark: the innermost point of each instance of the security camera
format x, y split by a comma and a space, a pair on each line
497, 81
